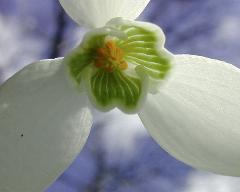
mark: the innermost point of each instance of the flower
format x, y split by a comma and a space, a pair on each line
189, 104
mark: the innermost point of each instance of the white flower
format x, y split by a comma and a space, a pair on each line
189, 104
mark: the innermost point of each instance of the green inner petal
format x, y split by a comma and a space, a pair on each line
122, 60
116, 89
141, 48
77, 62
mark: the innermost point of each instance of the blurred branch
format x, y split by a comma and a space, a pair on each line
1, 76
106, 173
98, 155
59, 34
96, 186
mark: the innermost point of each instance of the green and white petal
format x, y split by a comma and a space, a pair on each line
196, 115
117, 89
95, 13
44, 123
144, 45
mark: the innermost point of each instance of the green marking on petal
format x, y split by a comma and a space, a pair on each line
141, 49
111, 89
77, 62
144, 46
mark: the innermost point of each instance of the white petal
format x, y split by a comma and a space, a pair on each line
196, 115
96, 13
44, 123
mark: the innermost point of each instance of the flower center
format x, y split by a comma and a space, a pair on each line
120, 64
110, 57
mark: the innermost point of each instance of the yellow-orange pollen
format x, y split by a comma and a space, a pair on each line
110, 57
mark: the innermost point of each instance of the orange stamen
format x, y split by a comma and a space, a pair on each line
110, 57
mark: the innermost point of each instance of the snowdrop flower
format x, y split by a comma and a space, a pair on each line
189, 104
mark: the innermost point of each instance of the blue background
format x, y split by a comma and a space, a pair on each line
119, 155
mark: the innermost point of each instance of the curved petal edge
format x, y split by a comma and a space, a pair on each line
44, 123
96, 13
196, 114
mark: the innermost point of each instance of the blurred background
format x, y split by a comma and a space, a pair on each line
120, 156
